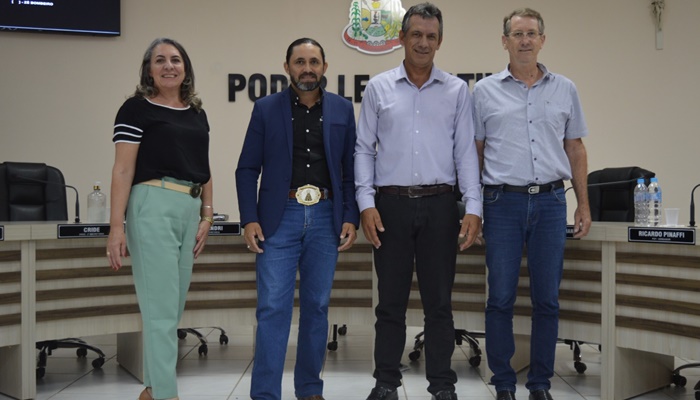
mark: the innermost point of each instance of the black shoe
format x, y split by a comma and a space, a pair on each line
542, 394
445, 395
382, 393
505, 395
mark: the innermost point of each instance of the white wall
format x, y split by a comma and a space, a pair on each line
59, 93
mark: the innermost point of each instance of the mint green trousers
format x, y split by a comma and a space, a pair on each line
161, 225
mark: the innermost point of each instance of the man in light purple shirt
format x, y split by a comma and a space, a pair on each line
415, 147
529, 130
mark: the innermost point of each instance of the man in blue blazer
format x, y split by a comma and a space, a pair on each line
302, 141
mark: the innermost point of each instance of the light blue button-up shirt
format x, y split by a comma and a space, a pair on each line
524, 128
410, 136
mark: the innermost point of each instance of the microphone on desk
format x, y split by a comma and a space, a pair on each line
77, 199
692, 206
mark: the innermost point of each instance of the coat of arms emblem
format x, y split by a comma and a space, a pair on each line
374, 26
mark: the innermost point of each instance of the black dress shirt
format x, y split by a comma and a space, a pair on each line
309, 165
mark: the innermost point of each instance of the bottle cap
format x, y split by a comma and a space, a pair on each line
640, 180
654, 179
97, 185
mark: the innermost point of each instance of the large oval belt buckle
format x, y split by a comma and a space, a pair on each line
308, 195
196, 190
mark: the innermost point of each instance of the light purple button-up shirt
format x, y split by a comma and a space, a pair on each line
524, 128
410, 136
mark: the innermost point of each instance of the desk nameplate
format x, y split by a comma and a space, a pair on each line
225, 229
75, 231
2, 233
661, 235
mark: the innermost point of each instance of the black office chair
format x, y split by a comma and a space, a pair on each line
25, 197
337, 330
203, 348
611, 198
680, 380
611, 192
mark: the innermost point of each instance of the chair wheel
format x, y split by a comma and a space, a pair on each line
98, 363
223, 339
332, 346
40, 372
580, 367
475, 361
181, 334
203, 350
414, 355
343, 330
81, 352
679, 380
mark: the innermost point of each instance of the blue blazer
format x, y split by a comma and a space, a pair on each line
268, 149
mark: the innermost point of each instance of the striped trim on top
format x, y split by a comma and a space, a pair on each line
127, 134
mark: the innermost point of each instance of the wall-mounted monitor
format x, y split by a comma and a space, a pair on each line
86, 17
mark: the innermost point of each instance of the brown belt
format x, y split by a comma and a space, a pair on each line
195, 190
416, 191
325, 194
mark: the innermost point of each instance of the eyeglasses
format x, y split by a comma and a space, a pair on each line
518, 35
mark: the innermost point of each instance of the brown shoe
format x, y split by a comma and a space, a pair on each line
314, 397
146, 394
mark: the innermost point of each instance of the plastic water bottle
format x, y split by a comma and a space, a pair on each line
97, 205
654, 202
641, 204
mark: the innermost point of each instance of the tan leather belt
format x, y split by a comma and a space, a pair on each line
416, 191
195, 190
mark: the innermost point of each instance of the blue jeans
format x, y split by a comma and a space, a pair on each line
538, 222
305, 241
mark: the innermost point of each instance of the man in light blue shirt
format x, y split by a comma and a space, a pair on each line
415, 148
529, 126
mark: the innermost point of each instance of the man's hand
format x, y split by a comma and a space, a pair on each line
349, 235
471, 228
252, 234
371, 224
582, 221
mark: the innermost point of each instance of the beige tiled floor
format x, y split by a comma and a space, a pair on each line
224, 373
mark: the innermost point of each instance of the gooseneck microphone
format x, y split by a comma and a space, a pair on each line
77, 200
692, 206
604, 184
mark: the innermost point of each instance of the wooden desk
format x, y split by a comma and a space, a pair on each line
637, 300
